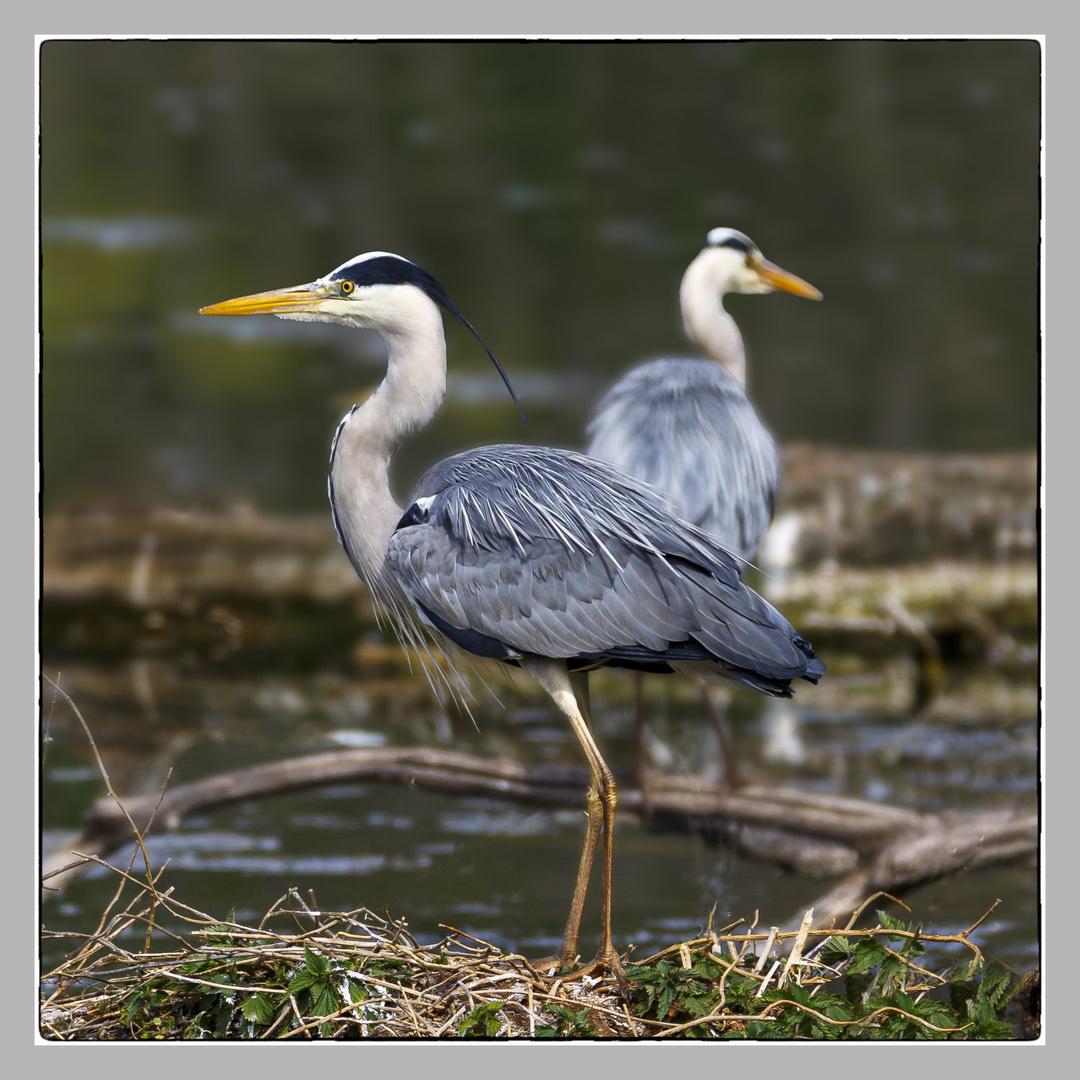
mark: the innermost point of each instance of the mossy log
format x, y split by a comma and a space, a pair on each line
873, 507
870, 551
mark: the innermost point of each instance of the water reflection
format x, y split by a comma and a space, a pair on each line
497, 869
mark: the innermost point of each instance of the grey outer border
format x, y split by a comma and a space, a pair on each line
1049, 22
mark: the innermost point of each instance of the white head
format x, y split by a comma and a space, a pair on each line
377, 291
732, 262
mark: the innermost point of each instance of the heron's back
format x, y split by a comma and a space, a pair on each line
686, 427
513, 550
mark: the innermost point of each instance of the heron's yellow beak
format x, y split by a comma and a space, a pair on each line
781, 279
274, 302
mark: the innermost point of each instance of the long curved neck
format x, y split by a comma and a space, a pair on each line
706, 322
364, 509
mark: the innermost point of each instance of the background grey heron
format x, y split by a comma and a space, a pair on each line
544, 559
687, 427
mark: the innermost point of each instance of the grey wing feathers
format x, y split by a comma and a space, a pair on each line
517, 549
687, 428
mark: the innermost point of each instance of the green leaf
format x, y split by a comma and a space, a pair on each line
893, 971
700, 1005
913, 947
257, 1008
889, 922
301, 981
483, 1022
324, 1000
316, 964
570, 1022
832, 1005
835, 949
996, 986
867, 954
980, 1011
938, 1014
130, 1008
224, 1016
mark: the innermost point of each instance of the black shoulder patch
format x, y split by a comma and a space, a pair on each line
415, 515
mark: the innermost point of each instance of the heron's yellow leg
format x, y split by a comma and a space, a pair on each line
570, 692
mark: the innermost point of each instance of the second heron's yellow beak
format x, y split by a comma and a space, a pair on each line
772, 275
298, 298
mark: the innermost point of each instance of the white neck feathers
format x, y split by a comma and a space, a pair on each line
408, 397
706, 322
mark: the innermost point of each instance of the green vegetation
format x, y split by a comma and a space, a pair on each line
857, 989
356, 975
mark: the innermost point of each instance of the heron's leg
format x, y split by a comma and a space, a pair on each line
570, 693
567, 954
733, 775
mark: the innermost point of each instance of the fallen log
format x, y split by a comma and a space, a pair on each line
942, 845
836, 507
871, 552
879, 847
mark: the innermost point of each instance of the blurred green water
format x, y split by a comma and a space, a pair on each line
558, 190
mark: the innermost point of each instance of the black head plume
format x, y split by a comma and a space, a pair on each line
382, 268
445, 301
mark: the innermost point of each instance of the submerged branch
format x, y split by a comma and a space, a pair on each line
879, 847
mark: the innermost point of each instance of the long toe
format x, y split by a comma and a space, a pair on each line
607, 961
554, 967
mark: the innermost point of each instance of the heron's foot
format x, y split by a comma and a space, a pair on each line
608, 961
555, 967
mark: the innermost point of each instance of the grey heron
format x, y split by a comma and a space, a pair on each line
687, 427
540, 558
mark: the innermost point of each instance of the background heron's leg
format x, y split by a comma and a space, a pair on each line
733, 775
639, 744
565, 688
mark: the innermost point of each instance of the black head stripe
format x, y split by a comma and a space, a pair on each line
738, 242
390, 270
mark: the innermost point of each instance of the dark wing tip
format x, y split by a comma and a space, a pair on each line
815, 667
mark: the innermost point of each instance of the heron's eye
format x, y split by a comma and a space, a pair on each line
347, 287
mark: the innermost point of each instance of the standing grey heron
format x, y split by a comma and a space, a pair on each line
687, 427
545, 559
